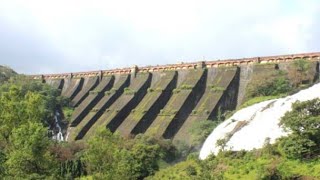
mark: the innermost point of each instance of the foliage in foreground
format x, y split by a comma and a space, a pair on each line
304, 125
296, 156
26, 110
26, 152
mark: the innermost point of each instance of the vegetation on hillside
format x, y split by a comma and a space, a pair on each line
304, 125
27, 152
200, 130
279, 84
6, 73
296, 156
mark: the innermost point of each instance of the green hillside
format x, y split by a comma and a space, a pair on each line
6, 73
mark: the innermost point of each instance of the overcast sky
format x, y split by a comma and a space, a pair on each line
42, 36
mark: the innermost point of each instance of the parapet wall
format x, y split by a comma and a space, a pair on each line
192, 65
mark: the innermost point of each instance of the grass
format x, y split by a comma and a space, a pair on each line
259, 99
129, 91
290, 168
185, 86
95, 110
176, 91
217, 89
259, 167
67, 112
167, 113
94, 92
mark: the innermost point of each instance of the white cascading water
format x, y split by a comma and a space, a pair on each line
59, 136
251, 127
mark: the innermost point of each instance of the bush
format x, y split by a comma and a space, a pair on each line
301, 65
176, 91
201, 130
94, 92
303, 123
278, 86
217, 88
109, 156
296, 147
186, 87
129, 91
67, 112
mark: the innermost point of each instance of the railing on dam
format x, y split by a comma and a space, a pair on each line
192, 65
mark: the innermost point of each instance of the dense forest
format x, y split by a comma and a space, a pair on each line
28, 152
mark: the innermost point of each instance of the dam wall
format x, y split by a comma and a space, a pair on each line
165, 101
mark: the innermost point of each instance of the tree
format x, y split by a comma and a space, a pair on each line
28, 153
302, 67
145, 157
68, 156
296, 147
2, 160
303, 123
109, 156
21, 102
200, 130
26, 108
105, 159
189, 169
278, 85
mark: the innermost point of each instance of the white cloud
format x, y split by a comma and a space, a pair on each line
86, 35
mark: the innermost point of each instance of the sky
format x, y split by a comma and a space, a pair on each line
42, 36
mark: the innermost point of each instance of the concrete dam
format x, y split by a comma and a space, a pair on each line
165, 101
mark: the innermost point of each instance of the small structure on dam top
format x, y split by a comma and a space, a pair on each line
165, 101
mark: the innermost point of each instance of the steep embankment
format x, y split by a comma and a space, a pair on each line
221, 88
79, 129
93, 98
253, 126
56, 83
117, 112
180, 105
72, 87
143, 115
88, 85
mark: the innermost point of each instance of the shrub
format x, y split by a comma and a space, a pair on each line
95, 109
303, 123
186, 87
301, 65
67, 112
276, 87
200, 131
129, 91
217, 88
94, 92
176, 91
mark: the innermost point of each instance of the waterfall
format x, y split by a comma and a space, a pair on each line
255, 125
57, 136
